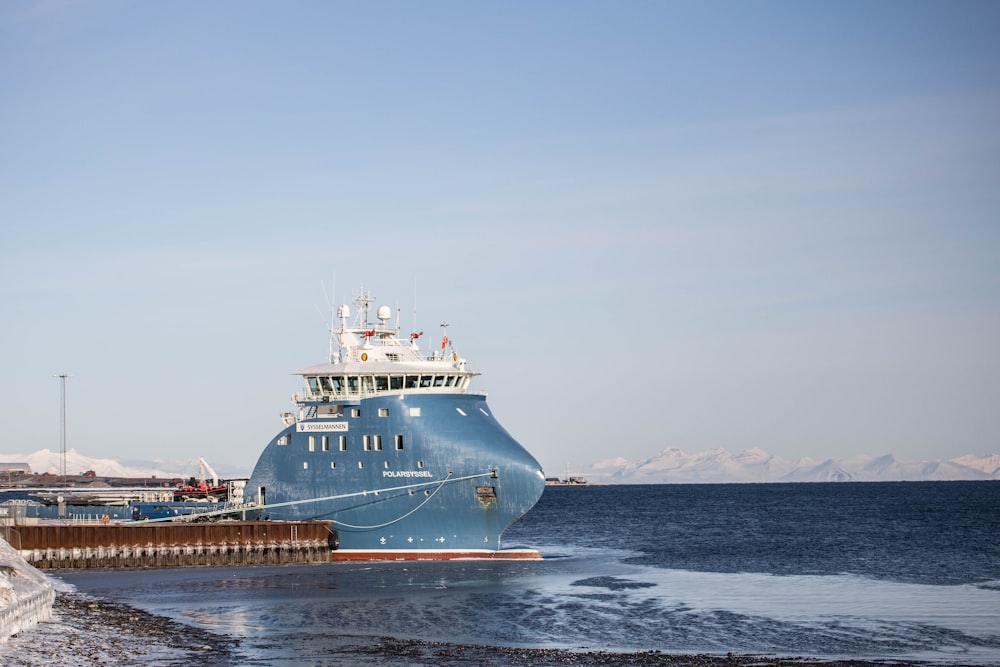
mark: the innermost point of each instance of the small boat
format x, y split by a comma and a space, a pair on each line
200, 490
195, 490
569, 481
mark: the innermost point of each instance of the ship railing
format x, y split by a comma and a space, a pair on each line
81, 519
371, 393
98, 518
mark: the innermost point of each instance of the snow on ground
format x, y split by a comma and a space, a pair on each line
25, 593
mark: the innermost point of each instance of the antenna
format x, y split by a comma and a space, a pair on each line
363, 301
62, 424
414, 304
333, 304
330, 300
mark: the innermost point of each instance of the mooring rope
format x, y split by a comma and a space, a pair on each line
263, 508
396, 520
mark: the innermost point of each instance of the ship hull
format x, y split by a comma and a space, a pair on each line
402, 476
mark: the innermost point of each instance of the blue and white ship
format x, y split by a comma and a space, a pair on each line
392, 446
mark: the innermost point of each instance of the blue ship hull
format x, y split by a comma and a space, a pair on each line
425, 473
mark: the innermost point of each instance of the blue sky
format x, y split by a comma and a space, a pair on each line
649, 224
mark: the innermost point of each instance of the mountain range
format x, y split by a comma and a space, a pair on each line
670, 466
755, 465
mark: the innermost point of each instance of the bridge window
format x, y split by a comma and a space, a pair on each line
352, 384
325, 385
438, 380
450, 382
396, 382
412, 381
313, 385
338, 384
425, 380
382, 382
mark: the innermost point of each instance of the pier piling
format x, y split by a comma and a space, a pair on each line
48, 546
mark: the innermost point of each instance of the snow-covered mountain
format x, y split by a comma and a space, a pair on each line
45, 460
755, 465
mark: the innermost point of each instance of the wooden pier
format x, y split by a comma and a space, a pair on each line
172, 545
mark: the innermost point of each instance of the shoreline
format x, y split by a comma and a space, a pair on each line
85, 630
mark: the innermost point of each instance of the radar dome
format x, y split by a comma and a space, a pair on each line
344, 311
384, 313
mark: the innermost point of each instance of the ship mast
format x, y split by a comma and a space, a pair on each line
363, 302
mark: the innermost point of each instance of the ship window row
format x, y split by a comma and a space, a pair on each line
361, 465
370, 443
384, 412
345, 385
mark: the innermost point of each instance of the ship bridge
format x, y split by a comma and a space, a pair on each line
372, 359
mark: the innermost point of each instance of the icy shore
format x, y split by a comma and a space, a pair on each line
85, 631
26, 595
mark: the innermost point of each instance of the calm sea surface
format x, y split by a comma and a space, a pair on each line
901, 571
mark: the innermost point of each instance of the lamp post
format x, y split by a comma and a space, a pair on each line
62, 423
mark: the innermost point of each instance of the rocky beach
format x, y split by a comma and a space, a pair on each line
85, 631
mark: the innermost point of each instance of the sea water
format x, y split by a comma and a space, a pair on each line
878, 571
